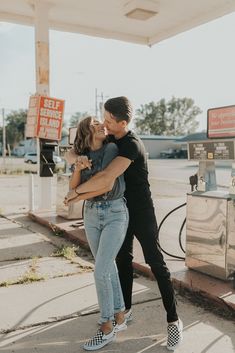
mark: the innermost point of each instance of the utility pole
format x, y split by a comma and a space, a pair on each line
99, 107
3, 137
96, 96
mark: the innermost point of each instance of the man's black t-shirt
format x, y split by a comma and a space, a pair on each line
137, 192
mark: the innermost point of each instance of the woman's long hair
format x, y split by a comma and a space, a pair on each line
84, 135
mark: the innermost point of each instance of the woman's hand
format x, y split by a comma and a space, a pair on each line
83, 162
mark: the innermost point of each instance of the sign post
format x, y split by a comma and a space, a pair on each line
44, 122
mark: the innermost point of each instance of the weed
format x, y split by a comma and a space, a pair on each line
4, 284
9, 171
28, 277
66, 251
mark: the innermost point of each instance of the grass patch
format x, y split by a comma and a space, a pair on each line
28, 277
66, 251
8, 171
29, 172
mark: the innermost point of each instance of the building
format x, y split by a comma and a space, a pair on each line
169, 146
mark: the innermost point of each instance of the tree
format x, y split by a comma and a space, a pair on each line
15, 126
175, 117
74, 120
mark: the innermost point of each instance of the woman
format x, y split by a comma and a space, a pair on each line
105, 220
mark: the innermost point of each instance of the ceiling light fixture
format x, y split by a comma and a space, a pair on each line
141, 14
140, 9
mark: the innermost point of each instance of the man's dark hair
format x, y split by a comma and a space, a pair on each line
120, 108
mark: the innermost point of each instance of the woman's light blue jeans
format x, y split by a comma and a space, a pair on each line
106, 224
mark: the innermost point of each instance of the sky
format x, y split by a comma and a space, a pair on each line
199, 64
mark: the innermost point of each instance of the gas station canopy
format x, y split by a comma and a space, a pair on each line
137, 21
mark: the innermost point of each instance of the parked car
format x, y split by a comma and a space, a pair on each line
173, 153
31, 157
57, 159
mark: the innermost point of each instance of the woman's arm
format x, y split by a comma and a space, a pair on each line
75, 178
81, 163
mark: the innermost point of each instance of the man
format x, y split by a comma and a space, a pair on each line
132, 162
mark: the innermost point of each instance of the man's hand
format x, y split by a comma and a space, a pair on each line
105, 178
71, 197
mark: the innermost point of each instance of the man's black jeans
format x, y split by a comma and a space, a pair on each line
143, 225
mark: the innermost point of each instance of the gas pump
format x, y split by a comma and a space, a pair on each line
210, 214
75, 210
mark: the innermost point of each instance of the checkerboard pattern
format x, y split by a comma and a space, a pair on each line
175, 335
99, 340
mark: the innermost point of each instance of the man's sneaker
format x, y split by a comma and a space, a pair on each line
119, 327
128, 316
99, 340
175, 335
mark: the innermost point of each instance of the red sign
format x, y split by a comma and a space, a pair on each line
221, 122
45, 117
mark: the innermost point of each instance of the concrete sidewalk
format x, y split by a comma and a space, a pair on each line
57, 314
147, 333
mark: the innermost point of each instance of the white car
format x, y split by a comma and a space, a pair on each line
57, 159
31, 157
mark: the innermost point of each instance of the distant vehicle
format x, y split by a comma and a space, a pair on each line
57, 159
173, 153
31, 157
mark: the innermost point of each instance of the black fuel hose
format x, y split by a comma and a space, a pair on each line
180, 233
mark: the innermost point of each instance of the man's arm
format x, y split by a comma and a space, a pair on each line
73, 196
105, 179
88, 195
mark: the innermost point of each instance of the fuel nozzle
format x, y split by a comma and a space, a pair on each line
193, 180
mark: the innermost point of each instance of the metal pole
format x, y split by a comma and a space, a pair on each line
3, 137
101, 105
42, 85
31, 193
96, 96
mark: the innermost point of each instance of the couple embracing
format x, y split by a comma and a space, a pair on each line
111, 174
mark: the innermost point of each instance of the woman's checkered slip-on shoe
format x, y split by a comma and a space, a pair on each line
175, 335
99, 340
119, 327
